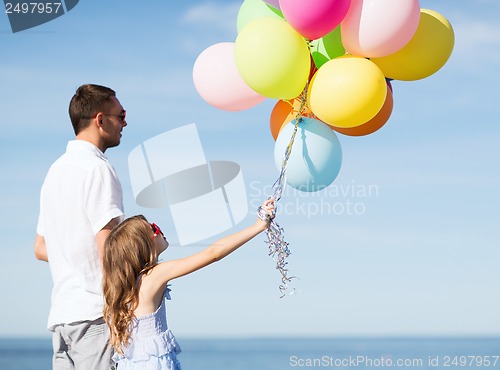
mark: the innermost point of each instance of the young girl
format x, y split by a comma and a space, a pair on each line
135, 288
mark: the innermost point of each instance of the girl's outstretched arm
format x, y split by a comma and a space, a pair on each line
166, 271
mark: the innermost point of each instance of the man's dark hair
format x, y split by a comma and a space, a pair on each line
88, 101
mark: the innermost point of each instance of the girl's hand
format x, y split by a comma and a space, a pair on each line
266, 213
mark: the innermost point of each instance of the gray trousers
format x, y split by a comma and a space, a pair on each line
82, 346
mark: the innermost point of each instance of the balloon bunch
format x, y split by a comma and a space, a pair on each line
329, 63
339, 54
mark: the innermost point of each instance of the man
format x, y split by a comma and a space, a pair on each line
80, 202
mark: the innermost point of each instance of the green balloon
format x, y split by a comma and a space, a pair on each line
326, 48
272, 58
254, 9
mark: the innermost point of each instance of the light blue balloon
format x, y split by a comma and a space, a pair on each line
316, 155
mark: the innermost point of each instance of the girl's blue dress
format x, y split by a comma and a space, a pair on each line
152, 345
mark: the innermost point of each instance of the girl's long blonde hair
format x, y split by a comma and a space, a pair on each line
128, 253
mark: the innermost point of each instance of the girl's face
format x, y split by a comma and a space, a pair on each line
159, 240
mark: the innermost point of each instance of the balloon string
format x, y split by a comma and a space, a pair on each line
278, 247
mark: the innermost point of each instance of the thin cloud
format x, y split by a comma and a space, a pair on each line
477, 33
477, 43
207, 24
218, 16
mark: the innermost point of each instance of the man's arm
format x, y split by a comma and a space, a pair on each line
40, 248
103, 234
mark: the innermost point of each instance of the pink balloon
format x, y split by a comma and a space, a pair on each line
274, 3
218, 81
376, 28
314, 19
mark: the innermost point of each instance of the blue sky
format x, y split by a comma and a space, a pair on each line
419, 257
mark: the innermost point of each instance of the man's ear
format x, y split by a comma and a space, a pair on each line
98, 119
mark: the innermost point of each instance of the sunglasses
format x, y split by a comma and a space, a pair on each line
156, 230
120, 116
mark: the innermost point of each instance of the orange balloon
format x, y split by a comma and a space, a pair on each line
375, 123
286, 111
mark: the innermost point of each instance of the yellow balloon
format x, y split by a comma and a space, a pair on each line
272, 58
347, 91
428, 50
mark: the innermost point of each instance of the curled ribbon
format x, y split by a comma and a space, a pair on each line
278, 247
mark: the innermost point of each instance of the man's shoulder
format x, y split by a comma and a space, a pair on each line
82, 154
